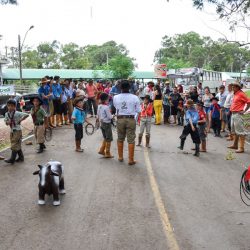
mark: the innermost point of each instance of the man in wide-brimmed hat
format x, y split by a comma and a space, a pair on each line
40, 121
240, 105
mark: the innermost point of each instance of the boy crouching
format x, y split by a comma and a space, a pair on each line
40, 122
13, 119
104, 116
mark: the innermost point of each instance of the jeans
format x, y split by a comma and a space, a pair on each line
92, 102
145, 123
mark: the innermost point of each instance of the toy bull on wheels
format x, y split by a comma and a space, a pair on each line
51, 181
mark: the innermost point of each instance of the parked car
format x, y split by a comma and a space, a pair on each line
27, 107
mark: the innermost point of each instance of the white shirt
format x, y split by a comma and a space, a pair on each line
229, 100
80, 92
148, 91
127, 104
222, 98
104, 113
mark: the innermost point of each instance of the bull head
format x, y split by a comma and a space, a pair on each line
52, 172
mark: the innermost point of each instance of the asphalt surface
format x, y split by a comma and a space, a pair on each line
110, 205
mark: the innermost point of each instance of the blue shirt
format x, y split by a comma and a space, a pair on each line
79, 116
215, 111
193, 115
115, 91
44, 90
69, 92
56, 90
64, 96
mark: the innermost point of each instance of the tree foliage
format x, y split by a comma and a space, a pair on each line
192, 50
72, 56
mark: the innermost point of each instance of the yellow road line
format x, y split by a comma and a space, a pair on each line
168, 230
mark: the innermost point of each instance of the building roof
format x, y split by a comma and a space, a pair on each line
32, 74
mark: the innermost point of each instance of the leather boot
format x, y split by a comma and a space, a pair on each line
61, 119
181, 147
120, 145
20, 156
139, 140
58, 121
235, 143
147, 141
203, 146
40, 149
66, 119
52, 121
12, 158
107, 151
102, 148
241, 144
131, 153
197, 150
78, 146
230, 137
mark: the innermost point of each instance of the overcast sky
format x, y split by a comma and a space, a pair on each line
138, 24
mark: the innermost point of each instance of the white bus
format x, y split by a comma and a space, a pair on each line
192, 76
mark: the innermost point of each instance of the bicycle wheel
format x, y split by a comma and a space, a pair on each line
48, 134
89, 129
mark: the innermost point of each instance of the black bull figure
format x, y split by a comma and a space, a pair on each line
51, 181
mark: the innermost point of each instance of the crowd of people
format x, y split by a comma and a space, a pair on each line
62, 102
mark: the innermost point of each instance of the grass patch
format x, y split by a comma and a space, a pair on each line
248, 93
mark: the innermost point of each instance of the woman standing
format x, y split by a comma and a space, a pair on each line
157, 104
206, 99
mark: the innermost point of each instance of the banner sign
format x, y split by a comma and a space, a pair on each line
161, 71
7, 90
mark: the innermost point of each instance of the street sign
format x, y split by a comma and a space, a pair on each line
7, 90
161, 71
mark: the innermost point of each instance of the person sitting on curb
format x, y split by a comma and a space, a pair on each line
13, 119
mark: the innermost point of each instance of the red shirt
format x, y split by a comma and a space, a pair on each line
91, 90
146, 111
240, 100
202, 115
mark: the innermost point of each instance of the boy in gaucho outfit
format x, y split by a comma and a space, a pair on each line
13, 119
40, 121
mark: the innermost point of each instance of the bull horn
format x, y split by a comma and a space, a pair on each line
40, 166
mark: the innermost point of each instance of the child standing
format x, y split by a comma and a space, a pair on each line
145, 120
13, 119
192, 118
202, 126
78, 118
180, 112
40, 121
215, 116
104, 116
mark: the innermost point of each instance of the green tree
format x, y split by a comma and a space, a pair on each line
121, 66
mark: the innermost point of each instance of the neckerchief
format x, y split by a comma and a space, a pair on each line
11, 117
33, 115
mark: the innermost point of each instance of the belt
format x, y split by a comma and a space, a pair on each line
39, 123
236, 112
126, 116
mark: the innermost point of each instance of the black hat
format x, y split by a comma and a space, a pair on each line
215, 98
79, 99
38, 98
148, 98
200, 103
104, 96
11, 102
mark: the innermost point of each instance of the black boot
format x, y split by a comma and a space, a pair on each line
40, 150
182, 144
139, 140
197, 150
20, 156
44, 147
12, 159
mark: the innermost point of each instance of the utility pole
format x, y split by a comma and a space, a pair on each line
20, 59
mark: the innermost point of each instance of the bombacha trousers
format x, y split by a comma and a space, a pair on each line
145, 123
126, 128
39, 134
16, 140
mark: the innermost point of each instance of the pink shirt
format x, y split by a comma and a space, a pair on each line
91, 90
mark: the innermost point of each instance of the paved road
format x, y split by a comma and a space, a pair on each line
110, 205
